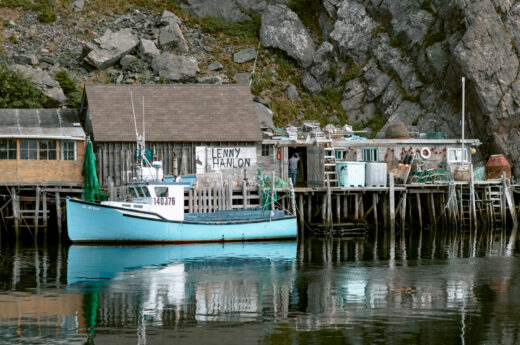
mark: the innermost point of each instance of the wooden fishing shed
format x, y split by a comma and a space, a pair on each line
197, 128
41, 159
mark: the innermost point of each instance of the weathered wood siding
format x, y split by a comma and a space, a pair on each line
117, 160
34, 172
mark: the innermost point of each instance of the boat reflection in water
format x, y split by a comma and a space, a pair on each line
212, 282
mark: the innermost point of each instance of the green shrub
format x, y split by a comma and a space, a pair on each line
66, 82
47, 15
17, 91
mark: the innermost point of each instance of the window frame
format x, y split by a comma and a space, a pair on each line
44, 154
266, 150
457, 149
65, 151
25, 152
370, 154
8, 149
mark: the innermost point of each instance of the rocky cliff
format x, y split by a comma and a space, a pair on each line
357, 62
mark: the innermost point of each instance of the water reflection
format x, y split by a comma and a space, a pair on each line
454, 286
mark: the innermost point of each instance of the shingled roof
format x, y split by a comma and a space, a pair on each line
188, 113
40, 123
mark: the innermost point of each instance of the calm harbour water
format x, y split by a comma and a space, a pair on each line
423, 287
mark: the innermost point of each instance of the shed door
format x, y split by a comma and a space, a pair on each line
315, 166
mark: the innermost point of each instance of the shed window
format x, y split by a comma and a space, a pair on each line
68, 150
29, 149
47, 149
454, 155
7, 149
370, 154
266, 150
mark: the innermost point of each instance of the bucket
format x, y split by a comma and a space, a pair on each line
496, 165
396, 130
462, 173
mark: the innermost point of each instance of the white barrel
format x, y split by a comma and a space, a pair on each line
375, 174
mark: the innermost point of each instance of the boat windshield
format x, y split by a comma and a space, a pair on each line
161, 191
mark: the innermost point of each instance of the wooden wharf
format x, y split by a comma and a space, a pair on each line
322, 210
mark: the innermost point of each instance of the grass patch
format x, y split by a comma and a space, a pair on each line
69, 88
47, 15
309, 12
351, 71
245, 32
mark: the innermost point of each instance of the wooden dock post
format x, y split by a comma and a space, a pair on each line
44, 207
58, 214
391, 198
374, 205
309, 208
356, 206
16, 212
36, 214
403, 211
432, 211
338, 208
230, 195
345, 206
419, 210
509, 199
244, 194
324, 209
300, 207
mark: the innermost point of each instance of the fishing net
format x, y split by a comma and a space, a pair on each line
91, 189
265, 182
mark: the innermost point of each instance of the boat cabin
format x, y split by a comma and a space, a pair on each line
41, 147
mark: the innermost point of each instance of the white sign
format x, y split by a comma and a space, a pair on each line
223, 158
168, 201
200, 159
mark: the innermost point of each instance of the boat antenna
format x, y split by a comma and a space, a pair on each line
254, 65
133, 112
144, 129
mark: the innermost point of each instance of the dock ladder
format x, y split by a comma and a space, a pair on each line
330, 168
495, 204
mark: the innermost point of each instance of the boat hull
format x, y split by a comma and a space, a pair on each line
91, 222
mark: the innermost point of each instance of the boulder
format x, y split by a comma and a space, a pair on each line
169, 18
292, 92
27, 59
43, 82
171, 37
265, 116
175, 67
215, 66
376, 80
77, 5
129, 63
225, 9
244, 55
281, 28
214, 79
106, 50
353, 32
310, 83
147, 48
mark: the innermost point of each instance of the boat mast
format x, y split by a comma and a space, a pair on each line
463, 89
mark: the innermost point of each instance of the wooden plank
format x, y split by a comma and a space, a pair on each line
190, 200
244, 195
229, 196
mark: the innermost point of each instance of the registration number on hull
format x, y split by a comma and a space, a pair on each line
164, 201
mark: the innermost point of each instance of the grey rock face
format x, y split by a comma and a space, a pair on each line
411, 28
352, 100
171, 36
353, 31
390, 99
376, 80
310, 83
225, 9
244, 55
437, 56
175, 67
148, 48
43, 82
215, 66
109, 48
265, 116
281, 28
215, 79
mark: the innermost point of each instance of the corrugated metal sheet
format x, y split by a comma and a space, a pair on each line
40, 123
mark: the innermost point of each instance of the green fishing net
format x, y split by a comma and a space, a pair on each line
91, 189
